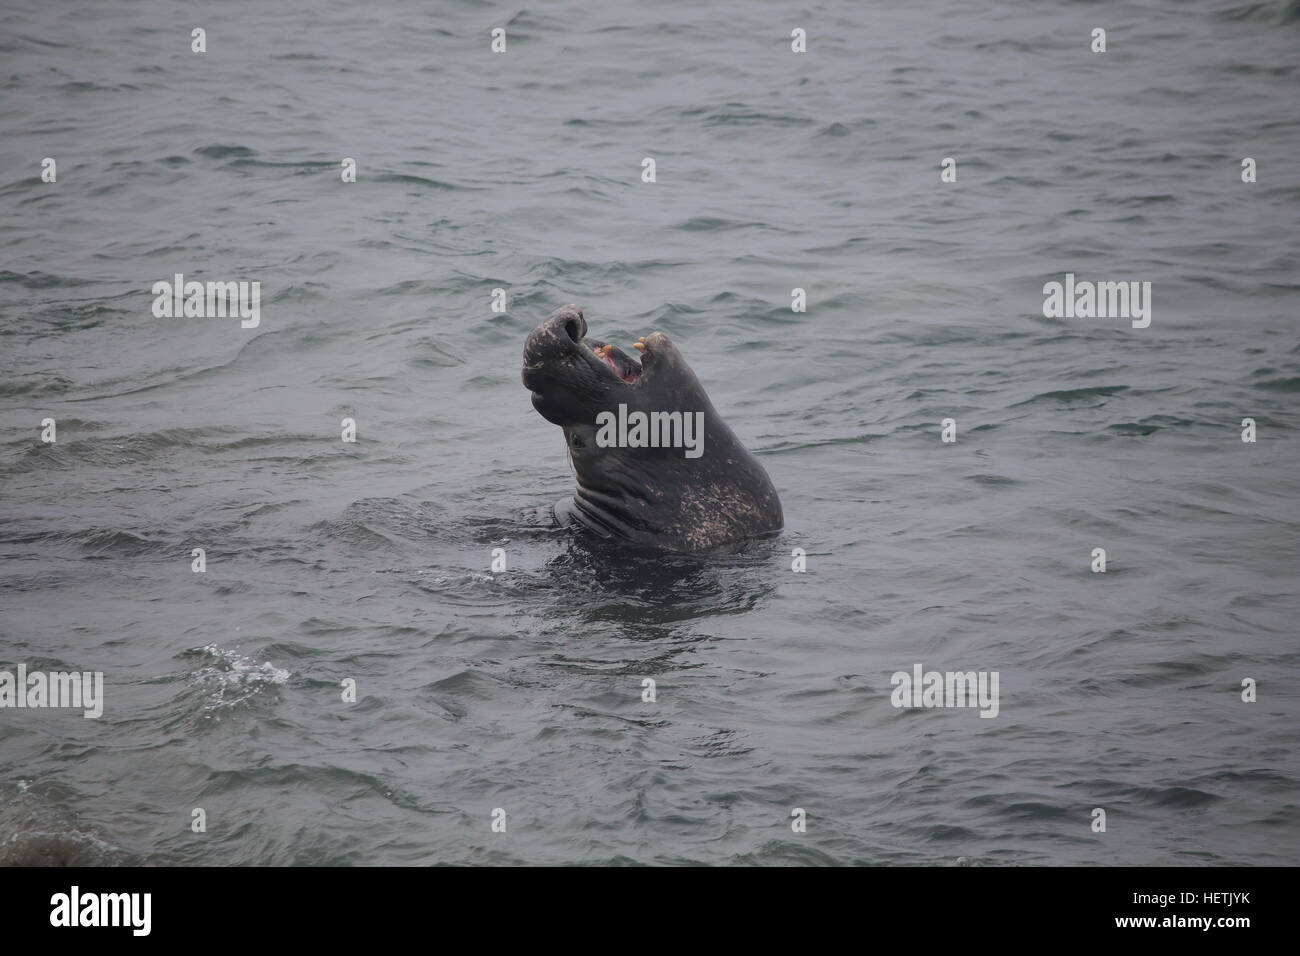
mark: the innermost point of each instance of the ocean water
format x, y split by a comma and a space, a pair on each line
521, 690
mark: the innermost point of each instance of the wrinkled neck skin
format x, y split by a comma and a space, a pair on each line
660, 498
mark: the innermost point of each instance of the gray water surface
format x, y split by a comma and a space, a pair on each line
522, 689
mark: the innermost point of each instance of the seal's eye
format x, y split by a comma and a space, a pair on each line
577, 441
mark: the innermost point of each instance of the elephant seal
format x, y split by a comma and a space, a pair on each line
656, 465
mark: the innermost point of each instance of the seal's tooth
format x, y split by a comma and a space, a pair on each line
603, 350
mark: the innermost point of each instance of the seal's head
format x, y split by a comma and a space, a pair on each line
654, 461
572, 376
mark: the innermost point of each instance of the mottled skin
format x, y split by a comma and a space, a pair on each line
655, 497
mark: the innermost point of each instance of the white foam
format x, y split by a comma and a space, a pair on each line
232, 678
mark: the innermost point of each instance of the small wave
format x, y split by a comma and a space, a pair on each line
409, 179
62, 848
1177, 797
224, 152
715, 224
38, 829
229, 678
41, 280
740, 116
1076, 394
1260, 12
992, 481
1133, 428
1280, 385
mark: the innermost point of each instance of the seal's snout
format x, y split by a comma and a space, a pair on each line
574, 325
559, 335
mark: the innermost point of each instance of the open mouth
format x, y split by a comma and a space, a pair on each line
563, 337
618, 361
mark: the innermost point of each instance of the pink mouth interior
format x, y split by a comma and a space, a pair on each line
610, 362
629, 373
